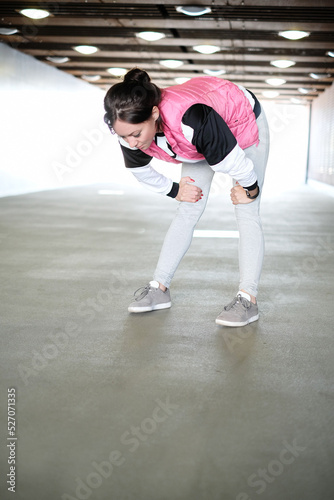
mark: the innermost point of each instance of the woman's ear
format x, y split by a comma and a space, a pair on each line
155, 113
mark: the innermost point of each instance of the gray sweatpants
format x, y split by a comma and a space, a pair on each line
251, 240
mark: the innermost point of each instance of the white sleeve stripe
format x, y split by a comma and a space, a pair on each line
238, 166
188, 132
248, 95
152, 179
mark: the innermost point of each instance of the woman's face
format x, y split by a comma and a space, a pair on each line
138, 135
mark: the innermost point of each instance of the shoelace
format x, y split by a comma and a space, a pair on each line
238, 300
145, 290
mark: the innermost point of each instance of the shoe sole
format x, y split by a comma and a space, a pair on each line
148, 308
240, 323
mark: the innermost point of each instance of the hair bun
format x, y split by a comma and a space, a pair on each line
137, 75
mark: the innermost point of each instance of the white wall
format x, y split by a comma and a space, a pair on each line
51, 129
321, 166
289, 126
53, 135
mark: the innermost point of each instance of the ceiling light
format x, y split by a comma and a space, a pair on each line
275, 81
270, 93
181, 80
8, 31
319, 76
91, 78
193, 10
86, 49
117, 71
330, 53
214, 72
58, 60
294, 34
171, 63
150, 36
304, 90
35, 13
294, 100
206, 49
282, 63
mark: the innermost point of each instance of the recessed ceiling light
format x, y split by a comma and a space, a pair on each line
270, 93
86, 49
193, 10
214, 72
35, 13
294, 34
91, 78
8, 31
206, 49
58, 60
181, 80
117, 71
319, 76
330, 53
304, 90
282, 63
171, 63
275, 81
150, 36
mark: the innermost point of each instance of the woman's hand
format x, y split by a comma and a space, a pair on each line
238, 195
188, 191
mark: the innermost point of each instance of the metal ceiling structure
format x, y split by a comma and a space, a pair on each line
246, 32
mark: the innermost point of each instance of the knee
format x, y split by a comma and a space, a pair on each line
247, 211
190, 212
188, 209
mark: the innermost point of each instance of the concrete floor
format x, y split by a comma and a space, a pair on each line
165, 405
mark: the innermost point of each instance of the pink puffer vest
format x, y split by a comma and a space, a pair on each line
223, 96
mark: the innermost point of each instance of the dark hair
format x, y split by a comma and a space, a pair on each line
132, 100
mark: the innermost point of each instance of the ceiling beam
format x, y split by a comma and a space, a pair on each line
220, 3
293, 79
225, 43
195, 56
154, 23
244, 68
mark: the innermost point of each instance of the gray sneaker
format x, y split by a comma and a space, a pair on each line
150, 298
239, 312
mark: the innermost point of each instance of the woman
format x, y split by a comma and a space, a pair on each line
209, 125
